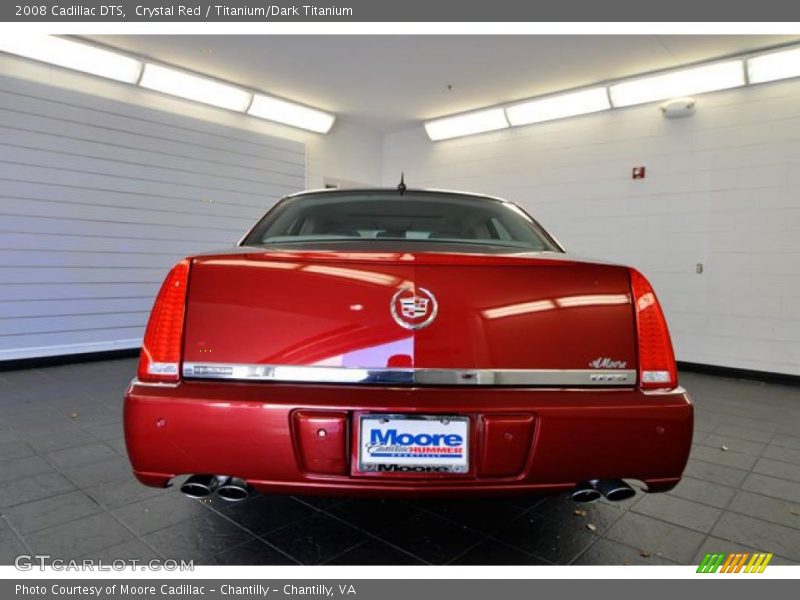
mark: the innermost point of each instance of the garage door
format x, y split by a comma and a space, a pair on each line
99, 198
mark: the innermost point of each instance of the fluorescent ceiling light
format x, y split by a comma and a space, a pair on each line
558, 107
773, 66
683, 82
357, 274
73, 55
296, 115
518, 309
194, 87
593, 300
467, 124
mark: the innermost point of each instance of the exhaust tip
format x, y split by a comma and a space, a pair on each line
233, 490
584, 493
615, 490
199, 486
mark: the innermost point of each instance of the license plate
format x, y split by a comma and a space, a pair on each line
413, 444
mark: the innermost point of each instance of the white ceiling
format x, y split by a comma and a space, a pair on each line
392, 82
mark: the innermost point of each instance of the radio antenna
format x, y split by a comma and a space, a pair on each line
401, 187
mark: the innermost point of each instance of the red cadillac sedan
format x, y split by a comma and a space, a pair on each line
387, 342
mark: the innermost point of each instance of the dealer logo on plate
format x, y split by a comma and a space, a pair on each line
391, 444
414, 308
421, 444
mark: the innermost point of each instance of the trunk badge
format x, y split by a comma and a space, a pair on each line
413, 308
603, 362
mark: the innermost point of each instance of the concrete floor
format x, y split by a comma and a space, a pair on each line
66, 490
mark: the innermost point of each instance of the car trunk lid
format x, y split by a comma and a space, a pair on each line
370, 310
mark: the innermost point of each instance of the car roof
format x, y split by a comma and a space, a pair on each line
423, 191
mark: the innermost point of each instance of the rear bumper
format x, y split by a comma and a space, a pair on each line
255, 431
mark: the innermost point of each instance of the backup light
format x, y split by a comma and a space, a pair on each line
774, 66
194, 87
656, 358
73, 55
558, 107
683, 82
289, 113
466, 124
163, 339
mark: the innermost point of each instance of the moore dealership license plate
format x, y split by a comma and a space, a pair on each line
413, 444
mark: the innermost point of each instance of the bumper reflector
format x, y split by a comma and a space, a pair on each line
321, 441
506, 444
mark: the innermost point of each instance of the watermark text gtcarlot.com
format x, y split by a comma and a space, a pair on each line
29, 562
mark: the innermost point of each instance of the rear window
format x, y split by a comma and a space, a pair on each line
428, 218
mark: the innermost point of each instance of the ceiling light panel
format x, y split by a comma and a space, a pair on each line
194, 87
289, 113
774, 66
560, 106
682, 82
73, 55
466, 124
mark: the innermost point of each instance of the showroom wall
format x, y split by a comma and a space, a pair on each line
104, 186
720, 190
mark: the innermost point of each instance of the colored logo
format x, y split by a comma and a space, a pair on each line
735, 562
413, 308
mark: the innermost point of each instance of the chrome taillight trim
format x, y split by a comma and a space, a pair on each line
389, 376
156, 384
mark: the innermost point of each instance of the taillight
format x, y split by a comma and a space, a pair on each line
656, 358
163, 339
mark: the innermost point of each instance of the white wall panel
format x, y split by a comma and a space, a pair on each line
98, 198
722, 189
350, 152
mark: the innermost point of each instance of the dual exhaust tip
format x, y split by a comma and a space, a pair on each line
228, 488
613, 489
234, 489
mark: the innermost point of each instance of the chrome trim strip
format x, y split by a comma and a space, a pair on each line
161, 384
512, 377
665, 391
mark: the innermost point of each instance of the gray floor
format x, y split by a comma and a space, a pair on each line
66, 491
